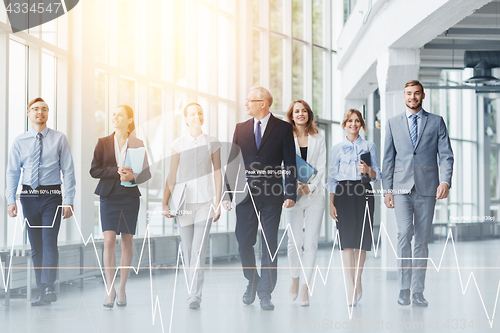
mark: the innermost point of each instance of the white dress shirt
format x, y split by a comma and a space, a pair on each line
195, 166
120, 154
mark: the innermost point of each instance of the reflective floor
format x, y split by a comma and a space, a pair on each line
223, 311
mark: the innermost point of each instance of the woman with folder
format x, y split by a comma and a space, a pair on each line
119, 197
353, 164
309, 209
194, 169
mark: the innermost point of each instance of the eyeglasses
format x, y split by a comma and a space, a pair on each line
253, 100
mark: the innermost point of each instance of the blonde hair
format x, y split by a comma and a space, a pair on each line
264, 94
348, 115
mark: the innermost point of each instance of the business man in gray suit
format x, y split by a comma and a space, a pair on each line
414, 141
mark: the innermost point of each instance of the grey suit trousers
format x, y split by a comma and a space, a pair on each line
414, 215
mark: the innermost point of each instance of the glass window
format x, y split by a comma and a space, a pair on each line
276, 71
100, 21
298, 19
223, 123
256, 58
100, 104
155, 45
468, 175
494, 190
318, 9
18, 77
276, 15
49, 87
126, 34
180, 43
204, 49
223, 57
318, 81
49, 29
298, 52
256, 12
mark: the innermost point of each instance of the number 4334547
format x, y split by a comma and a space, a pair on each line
36, 8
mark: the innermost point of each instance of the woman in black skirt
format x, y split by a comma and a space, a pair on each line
119, 204
349, 179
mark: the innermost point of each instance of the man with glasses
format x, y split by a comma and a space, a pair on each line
41, 154
266, 143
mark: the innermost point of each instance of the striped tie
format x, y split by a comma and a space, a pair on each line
37, 153
414, 130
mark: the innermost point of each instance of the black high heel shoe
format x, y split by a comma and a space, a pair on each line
109, 305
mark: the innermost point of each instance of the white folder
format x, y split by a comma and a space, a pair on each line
177, 201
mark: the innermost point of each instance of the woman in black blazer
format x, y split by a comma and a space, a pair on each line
119, 205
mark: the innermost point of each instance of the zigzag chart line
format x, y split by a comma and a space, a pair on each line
155, 301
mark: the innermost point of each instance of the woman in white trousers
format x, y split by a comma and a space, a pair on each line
309, 209
195, 165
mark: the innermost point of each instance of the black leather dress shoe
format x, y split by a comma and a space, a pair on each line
266, 304
49, 295
419, 300
249, 295
39, 301
404, 297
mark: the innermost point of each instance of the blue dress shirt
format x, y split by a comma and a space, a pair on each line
56, 157
344, 160
419, 121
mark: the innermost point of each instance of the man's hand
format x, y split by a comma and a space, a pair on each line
226, 204
12, 210
442, 191
289, 203
389, 200
333, 212
67, 211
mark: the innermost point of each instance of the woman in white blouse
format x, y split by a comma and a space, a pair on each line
309, 209
195, 164
349, 193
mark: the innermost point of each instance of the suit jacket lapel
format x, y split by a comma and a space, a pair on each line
270, 124
111, 146
311, 144
422, 127
248, 133
406, 131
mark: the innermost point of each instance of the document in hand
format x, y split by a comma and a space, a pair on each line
135, 161
366, 157
305, 172
177, 201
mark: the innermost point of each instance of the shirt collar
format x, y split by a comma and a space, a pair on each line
357, 142
263, 121
44, 132
419, 113
199, 138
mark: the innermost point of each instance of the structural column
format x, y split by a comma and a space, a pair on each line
81, 109
395, 67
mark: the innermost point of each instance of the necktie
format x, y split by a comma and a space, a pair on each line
414, 129
37, 153
258, 135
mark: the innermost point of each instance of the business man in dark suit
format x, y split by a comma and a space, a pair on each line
414, 142
266, 143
